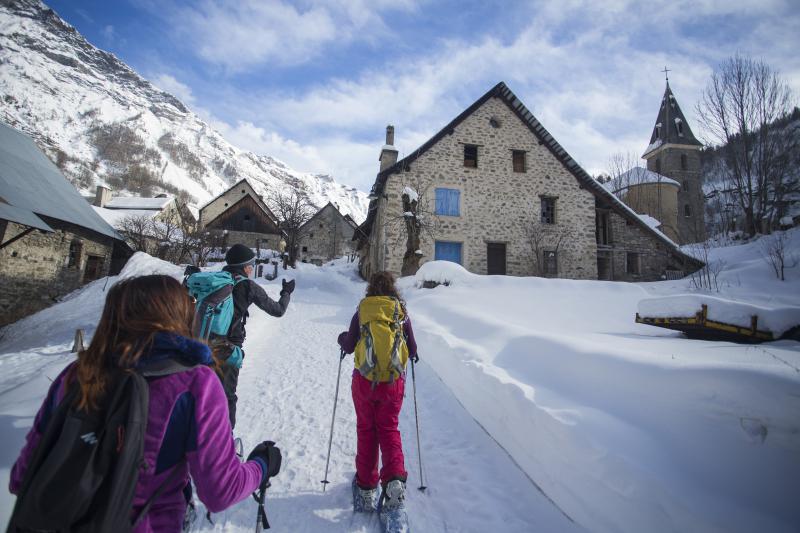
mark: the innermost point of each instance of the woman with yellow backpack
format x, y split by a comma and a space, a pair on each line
380, 334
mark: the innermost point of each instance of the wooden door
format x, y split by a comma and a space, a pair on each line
496, 258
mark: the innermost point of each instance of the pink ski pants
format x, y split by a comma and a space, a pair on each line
377, 417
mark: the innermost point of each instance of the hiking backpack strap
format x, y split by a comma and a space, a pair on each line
395, 364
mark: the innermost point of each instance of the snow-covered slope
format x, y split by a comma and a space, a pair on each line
611, 426
103, 123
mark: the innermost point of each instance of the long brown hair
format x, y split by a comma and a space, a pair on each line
383, 284
135, 310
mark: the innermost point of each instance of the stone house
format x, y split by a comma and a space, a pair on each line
326, 235
239, 215
501, 196
51, 240
674, 152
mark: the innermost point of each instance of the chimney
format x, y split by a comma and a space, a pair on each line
388, 152
102, 196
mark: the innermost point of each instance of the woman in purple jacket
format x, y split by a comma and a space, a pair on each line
147, 319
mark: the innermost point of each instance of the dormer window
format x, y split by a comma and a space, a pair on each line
679, 126
657, 131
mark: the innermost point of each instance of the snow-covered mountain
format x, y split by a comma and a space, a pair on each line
102, 123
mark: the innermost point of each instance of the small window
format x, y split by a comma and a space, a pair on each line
518, 157
75, 250
305, 248
633, 263
247, 217
658, 165
226, 205
685, 185
548, 210
684, 162
321, 225
243, 191
493, 122
603, 230
550, 262
687, 210
471, 155
448, 202
679, 126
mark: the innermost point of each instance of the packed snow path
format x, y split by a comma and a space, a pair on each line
286, 391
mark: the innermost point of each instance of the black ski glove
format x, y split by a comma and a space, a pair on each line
270, 454
288, 287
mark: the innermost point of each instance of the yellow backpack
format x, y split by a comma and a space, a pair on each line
381, 353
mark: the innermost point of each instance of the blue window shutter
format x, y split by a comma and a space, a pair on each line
441, 201
448, 202
448, 251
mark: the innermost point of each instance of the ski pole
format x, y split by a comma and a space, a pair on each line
261, 517
333, 419
422, 486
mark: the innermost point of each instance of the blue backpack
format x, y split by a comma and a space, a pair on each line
213, 312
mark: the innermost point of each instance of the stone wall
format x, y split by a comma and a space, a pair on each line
35, 270
496, 203
269, 241
660, 201
326, 236
654, 257
690, 228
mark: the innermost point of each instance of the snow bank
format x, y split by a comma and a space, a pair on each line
444, 273
778, 320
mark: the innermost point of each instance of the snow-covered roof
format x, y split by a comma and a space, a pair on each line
133, 202
650, 221
33, 185
114, 216
638, 176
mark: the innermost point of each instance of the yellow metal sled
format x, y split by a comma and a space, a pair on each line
699, 326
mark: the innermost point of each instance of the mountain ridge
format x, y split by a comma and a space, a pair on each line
104, 124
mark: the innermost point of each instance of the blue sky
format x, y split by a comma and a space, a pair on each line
314, 83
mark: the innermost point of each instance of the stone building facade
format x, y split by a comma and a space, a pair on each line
327, 235
240, 216
40, 267
501, 197
51, 240
674, 152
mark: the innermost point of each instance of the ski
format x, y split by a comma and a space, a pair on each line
394, 520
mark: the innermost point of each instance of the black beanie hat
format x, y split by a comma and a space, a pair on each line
239, 254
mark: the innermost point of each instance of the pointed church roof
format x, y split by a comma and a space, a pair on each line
671, 126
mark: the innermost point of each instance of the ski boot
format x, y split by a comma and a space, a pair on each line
364, 500
392, 507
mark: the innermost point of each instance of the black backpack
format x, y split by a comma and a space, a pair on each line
83, 474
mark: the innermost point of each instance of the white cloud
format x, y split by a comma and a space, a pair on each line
597, 89
108, 33
168, 83
239, 34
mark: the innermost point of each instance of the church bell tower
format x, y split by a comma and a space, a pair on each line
674, 152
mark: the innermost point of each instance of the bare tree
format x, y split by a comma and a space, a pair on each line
137, 230
293, 210
739, 108
544, 238
168, 236
775, 254
416, 222
708, 276
625, 170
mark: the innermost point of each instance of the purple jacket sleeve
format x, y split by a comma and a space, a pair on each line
51, 401
348, 339
410, 341
220, 477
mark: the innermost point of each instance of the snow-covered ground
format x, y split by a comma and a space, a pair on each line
543, 406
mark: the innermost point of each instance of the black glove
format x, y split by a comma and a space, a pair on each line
414, 358
288, 287
270, 454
